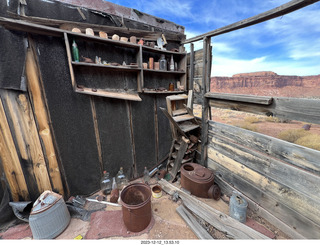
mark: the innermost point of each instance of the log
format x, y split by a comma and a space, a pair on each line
25, 132
219, 220
10, 161
198, 230
42, 117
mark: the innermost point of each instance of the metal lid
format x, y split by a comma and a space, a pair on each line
196, 172
45, 201
202, 173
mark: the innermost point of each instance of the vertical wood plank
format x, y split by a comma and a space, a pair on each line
69, 55
156, 127
25, 132
10, 161
134, 157
96, 131
40, 111
191, 68
205, 101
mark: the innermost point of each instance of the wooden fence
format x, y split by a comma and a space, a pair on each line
280, 179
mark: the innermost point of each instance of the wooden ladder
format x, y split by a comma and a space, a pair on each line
180, 114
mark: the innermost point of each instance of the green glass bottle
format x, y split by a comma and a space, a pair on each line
75, 52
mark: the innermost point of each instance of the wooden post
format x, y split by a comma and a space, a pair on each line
40, 111
96, 131
10, 161
25, 132
205, 101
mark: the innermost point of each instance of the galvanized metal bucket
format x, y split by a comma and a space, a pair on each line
49, 216
238, 207
136, 206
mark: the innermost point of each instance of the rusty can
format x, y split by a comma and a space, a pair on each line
157, 191
136, 206
196, 179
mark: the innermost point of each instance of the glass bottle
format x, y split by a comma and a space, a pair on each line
171, 87
121, 179
163, 63
75, 51
146, 175
114, 183
105, 183
171, 63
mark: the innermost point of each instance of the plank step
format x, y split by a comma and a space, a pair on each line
183, 118
179, 112
188, 127
178, 97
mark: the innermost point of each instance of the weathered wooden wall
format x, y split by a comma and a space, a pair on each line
53, 138
197, 75
279, 177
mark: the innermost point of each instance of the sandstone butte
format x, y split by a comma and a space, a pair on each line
268, 83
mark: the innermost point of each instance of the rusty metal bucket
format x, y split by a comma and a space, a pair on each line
136, 206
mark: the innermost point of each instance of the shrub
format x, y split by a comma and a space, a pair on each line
251, 119
292, 135
247, 126
311, 141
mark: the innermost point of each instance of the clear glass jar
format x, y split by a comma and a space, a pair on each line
163, 63
105, 183
121, 179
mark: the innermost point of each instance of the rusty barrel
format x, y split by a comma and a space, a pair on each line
136, 206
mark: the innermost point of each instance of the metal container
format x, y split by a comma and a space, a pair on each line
136, 206
197, 179
49, 216
238, 207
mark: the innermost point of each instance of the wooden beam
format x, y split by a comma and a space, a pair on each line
96, 131
295, 178
25, 132
191, 221
205, 103
191, 67
40, 111
298, 156
10, 161
261, 100
305, 110
292, 218
302, 204
259, 210
219, 220
268, 15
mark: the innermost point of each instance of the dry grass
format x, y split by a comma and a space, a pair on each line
311, 141
247, 126
251, 119
292, 135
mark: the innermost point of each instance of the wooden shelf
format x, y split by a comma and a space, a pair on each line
168, 72
119, 68
156, 50
162, 92
103, 40
110, 94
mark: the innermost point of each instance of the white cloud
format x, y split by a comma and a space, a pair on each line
227, 67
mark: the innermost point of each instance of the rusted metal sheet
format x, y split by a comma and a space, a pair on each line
126, 13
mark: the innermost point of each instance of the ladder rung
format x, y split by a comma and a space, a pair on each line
183, 118
187, 128
179, 112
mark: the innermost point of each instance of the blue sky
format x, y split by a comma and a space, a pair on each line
287, 45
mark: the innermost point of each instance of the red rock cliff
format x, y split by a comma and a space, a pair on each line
268, 83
